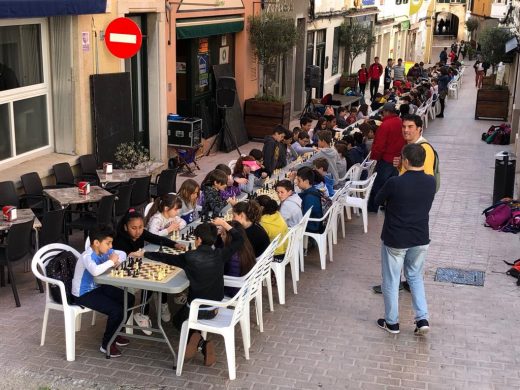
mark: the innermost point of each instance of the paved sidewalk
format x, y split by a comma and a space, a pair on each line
326, 337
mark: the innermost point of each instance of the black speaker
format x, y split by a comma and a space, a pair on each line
312, 76
226, 90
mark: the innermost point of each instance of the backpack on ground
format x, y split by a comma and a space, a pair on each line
61, 267
498, 135
436, 167
514, 271
497, 215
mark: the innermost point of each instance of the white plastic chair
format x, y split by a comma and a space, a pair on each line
232, 164
72, 313
339, 215
322, 239
453, 89
302, 226
264, 262
362, 189
291, 258
352, 174
147, 208
223, 324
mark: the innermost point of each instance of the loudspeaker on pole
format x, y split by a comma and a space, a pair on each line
226, 90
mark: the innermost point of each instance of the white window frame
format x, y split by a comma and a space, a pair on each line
43, 89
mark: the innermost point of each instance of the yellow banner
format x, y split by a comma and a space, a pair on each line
415, 6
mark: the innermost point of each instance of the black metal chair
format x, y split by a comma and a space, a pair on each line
18, 246
140, 192
165, 182
8, 195
52, 230
63, 174
34, 197
87, 220
122, 203
88, 166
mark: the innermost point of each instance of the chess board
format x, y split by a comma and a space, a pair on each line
145, 270
172, 251
269, 192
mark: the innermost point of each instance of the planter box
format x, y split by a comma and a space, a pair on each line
488, 81
261, 117
347, 81
492, 103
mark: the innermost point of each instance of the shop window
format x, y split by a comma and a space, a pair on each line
24, 88
335, 52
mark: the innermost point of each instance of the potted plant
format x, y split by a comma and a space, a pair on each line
129, 155
271, 35
492, 99
357, 39
471, 25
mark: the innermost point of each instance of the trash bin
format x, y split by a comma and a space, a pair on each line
503, 186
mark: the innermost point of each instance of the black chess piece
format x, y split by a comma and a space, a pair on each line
189, 247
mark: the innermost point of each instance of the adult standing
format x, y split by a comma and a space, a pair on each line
375, 72
408, 199
462, 49
387, 145
412, 134
443, 57
399, 71
441, 25
362, 79
388, 74
442, 82
479, 73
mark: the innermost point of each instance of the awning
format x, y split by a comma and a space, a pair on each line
205, 27
42, 8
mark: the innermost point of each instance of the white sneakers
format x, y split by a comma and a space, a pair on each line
165, 312
143, 321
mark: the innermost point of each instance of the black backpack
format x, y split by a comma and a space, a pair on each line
61, 267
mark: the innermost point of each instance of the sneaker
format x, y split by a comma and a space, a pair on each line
208, 350
390, 328
193, 345
377, 289
122, 341
143, 321
165, 312
421, 327
114, 351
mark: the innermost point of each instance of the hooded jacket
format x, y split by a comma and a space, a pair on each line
271, 162
291, 210
332, 157
311, 197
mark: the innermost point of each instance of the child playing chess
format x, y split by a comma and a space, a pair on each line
189, 194
132, 237
204, 268
321, 165
163, 218
274, 224
244, 169
291, 203
104, 298
214, 182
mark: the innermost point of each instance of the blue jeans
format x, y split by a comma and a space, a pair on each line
392, 261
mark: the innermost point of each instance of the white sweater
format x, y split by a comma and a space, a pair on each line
158, 224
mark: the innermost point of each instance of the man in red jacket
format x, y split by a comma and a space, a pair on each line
374, 74
387, 145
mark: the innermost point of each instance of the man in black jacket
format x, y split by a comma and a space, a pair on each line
204, 268
406, 237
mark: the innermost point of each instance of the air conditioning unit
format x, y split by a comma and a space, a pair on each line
499, 10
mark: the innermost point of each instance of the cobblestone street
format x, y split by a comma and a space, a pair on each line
326, 336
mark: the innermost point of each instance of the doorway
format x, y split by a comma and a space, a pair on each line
137, 66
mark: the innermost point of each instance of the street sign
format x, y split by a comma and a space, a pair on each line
123, 37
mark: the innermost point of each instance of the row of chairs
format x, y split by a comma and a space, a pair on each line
236, 309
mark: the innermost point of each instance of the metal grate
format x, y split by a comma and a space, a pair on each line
460, 276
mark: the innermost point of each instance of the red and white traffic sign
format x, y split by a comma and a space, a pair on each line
123, 37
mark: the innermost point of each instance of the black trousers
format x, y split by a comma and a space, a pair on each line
362, 88
374, 86
183, 314
441, 100
108, 300
386, 86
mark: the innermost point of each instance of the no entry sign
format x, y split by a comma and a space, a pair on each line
123, 37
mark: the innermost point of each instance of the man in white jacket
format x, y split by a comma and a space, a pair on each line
291, 203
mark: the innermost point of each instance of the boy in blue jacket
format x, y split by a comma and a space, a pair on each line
311, 197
